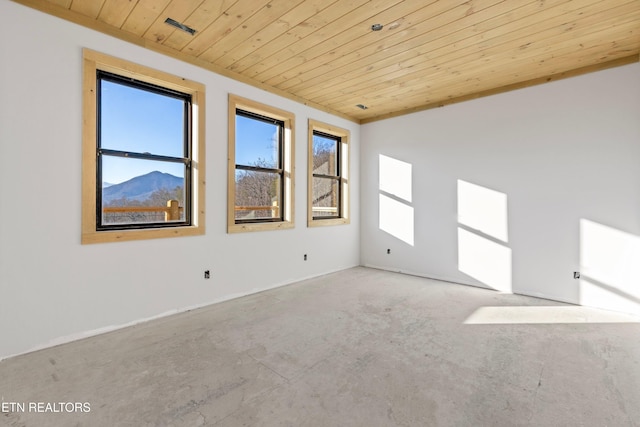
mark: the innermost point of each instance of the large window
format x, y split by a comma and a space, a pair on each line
328, 183
143, 151
260, 167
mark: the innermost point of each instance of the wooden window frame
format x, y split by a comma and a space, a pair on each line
94, 61
344, 168
288, 156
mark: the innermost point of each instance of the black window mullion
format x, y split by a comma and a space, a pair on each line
259, 169
260, 117
139, 84
320, 175
144, 156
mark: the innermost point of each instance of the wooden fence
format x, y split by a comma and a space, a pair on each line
172, 211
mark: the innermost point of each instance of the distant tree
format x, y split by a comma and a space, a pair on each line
254, 188
123, 201
158, 198
323, 156
161, 196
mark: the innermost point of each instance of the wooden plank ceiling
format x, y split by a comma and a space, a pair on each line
324, 52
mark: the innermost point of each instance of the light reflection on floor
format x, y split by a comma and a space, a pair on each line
546, 314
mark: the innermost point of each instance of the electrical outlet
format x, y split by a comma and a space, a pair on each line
305, 257
388, 251
576, 274
207, 274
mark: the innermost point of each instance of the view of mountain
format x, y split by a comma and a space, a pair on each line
141, 187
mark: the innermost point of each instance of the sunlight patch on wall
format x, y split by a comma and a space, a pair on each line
546, 314
395, 212
396, 218
609, 267
483, 234
395, 178
484, 260
483, 209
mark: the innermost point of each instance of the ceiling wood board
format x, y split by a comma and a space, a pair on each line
324, 53
453, 40
145, 14
512, 61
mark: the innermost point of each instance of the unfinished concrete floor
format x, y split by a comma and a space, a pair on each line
360, 347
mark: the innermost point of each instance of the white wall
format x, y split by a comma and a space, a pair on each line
53, 289
514, 192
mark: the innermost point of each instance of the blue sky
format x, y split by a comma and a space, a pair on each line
140, 121
255, 139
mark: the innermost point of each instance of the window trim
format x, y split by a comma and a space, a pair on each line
343, 169
94, 61
288, 156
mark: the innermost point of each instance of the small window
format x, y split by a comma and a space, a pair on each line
260, 166
328, 184
143, 139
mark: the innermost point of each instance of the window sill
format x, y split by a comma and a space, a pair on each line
130, 235
327, 222
267, 226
